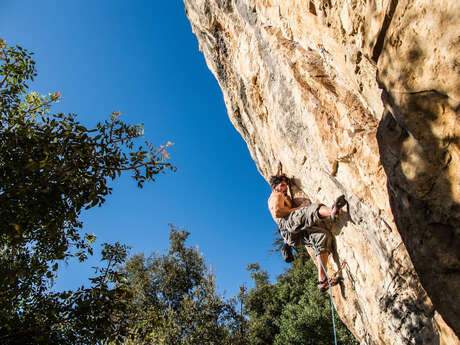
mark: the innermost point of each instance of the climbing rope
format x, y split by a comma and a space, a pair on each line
330, 287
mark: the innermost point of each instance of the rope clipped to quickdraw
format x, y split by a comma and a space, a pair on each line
329, 282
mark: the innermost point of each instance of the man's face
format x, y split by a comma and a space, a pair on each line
282, 187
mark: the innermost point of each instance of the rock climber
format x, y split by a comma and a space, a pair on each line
297, 223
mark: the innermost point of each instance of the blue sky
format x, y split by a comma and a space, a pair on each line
141, 58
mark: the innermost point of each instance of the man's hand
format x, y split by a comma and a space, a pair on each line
277, 205
280, 168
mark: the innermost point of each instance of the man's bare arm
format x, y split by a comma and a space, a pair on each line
279, 207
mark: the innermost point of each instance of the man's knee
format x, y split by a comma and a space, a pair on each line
322, 241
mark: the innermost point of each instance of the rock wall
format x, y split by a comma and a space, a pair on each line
360, 98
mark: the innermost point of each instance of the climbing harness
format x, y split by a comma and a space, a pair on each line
329, 282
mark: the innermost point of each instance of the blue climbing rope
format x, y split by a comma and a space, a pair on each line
330, 287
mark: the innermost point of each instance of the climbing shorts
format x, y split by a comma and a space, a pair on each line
300, 224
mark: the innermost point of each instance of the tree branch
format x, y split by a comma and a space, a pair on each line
39, 106
19, 333
7, 61
121, 139
4, 79
107, 269
142, 165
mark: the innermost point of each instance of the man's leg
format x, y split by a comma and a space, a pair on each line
321, 242
322, 259
324, 211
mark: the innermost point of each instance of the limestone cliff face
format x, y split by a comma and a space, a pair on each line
360, 98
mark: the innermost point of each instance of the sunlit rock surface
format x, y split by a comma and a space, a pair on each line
360, 98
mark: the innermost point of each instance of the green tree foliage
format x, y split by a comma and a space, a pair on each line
51, 168
175, 299
291, 310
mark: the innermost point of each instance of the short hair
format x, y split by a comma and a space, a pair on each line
277, 179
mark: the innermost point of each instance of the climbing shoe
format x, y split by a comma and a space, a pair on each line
323, 285
339, 203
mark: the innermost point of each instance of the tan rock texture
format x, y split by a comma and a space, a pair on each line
360, 98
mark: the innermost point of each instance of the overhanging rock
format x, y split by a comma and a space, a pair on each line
362, 99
